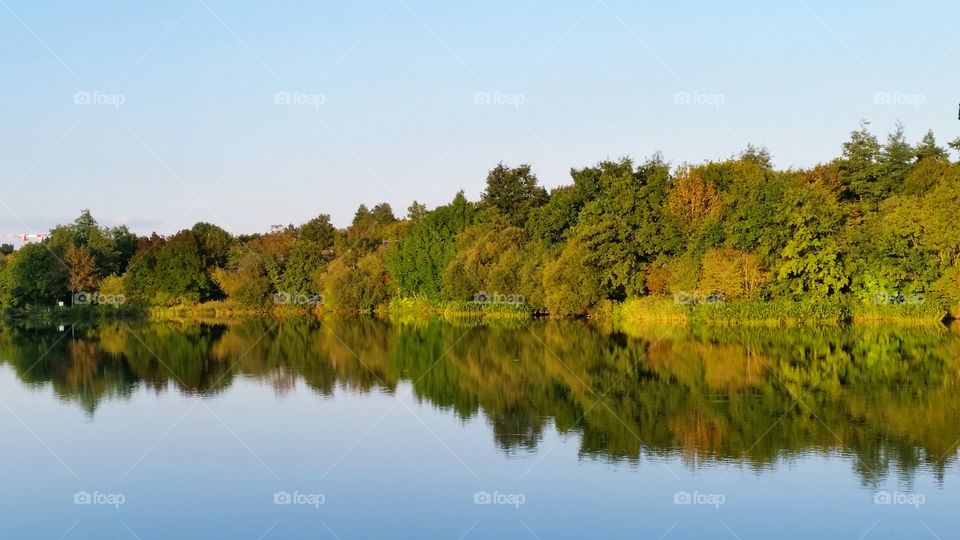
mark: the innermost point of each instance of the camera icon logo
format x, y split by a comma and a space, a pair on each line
482, 98
883, 98
281, 298
481, 297
682, 497
82, 98
282, 497
82, 497
82, 298
482, 497
882, 497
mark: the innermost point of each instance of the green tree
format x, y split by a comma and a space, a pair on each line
955, 145
737, 274
758, 155
928, 148
125, 245
495, 258
214, 244
812, 259
513, 192
318, 230
111, 249
751, 209
416, 212
571, 285
859, 167
895, 162
366, 233
245, 278
625, 228
925, 175
37, 277
303, 264
169, 271
552, 222
356, 288
418, 260
113, 286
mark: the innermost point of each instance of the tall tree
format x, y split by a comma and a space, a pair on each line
418, 260
169, 271
513, 192
758, 155
37, 276
318, 230
812, 260
896, 160
83, 269
859, 169
366, 233
626, 227
214, 244
928, 148
416, 212
692, 198
955, 145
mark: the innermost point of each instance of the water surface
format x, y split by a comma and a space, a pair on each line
362, 429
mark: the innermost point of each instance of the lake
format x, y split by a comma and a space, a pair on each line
358, 428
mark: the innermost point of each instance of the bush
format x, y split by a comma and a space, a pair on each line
570, 285
650, 308
359, 288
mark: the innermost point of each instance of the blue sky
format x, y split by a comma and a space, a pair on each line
161, 114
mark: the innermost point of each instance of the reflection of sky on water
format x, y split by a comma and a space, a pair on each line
391, 467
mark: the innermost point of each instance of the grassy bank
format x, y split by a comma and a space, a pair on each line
418, 309
632, 312
901, 313
225, 310
775, 313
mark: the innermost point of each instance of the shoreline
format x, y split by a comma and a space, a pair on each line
636, 312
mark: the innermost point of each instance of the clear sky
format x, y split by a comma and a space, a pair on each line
247, 114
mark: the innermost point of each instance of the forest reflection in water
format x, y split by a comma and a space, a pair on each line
886, 397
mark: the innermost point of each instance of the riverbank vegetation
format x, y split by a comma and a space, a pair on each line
870, 235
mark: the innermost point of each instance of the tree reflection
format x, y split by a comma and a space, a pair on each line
885, 396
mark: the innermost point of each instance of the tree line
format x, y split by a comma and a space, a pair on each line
876, 224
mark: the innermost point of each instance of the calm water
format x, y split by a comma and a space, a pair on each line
360, 429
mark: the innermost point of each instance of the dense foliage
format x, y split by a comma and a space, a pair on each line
876, 224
